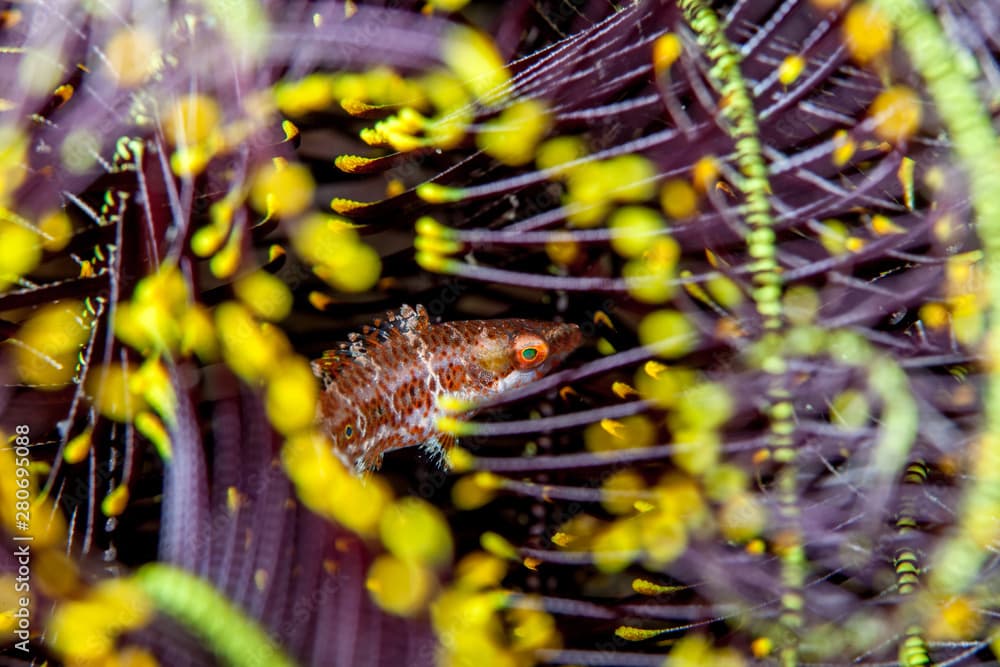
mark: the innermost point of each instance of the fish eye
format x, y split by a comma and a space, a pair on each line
349, 432
530, 350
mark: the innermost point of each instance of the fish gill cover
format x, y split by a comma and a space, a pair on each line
777, 225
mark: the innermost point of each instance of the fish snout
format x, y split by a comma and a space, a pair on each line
563, 340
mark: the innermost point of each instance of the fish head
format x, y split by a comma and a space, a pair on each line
515, 352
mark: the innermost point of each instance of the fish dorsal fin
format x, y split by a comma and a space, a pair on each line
408, 319
395, 325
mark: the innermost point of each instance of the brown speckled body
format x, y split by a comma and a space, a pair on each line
381, 389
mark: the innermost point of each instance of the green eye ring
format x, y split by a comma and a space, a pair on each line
531, 350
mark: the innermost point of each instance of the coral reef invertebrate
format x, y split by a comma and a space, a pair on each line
772, 222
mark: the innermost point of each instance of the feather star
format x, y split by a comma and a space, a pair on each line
382, 388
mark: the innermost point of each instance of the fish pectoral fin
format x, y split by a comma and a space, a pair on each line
446, 440
437, 447
367, 463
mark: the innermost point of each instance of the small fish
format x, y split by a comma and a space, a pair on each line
381, 388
